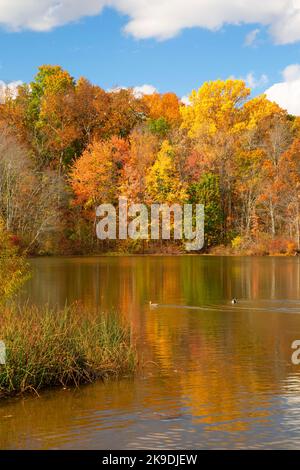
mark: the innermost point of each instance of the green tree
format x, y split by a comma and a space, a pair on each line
207, 192
159, 126
49, 79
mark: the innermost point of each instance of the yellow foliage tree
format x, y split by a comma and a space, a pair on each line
163, 181
259, 109
215, 107
215, 121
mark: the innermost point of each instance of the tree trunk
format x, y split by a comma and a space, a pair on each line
272, 216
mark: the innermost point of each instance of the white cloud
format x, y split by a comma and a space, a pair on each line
291, 73
138, 91
287, 92
160, 19
43, 15
9, 89
116, 89
254, 82
251, 37
185, 100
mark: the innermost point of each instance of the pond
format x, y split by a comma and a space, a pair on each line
214, 375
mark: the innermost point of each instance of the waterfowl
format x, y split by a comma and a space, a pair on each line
234, 301
153, 305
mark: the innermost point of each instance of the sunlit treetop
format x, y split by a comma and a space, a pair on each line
216, 106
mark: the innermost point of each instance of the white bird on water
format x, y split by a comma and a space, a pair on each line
152, 305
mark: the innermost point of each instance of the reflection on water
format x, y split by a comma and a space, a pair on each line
216, 375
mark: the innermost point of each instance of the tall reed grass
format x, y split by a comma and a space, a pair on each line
46, 348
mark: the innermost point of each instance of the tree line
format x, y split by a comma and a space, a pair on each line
67, 145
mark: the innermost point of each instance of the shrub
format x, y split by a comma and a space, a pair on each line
13, 267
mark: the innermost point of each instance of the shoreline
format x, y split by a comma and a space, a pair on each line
154, 255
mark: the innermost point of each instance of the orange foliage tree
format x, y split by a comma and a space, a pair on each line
94, 177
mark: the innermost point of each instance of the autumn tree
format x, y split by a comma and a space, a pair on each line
50, 79
28, 199
13, 267
164, 107
91, 111
41, 115
61, 138
94, 177
296, 126
163, 180
289, 173
214, 121
268, 136
142, 153
58, 128
125, 111
248, 187
14, 113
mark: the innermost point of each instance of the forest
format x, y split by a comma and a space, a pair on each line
67, 145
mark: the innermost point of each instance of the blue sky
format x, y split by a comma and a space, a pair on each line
98, 48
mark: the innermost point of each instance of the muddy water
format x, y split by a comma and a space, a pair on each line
215, 375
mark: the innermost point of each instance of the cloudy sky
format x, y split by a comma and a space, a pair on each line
168, 45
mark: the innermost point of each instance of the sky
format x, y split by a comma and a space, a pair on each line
163, 45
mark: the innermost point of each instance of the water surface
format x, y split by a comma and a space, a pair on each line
215, 375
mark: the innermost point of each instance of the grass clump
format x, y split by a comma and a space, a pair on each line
61, 348
14, 270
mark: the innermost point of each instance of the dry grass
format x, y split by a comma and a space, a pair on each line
61, 348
